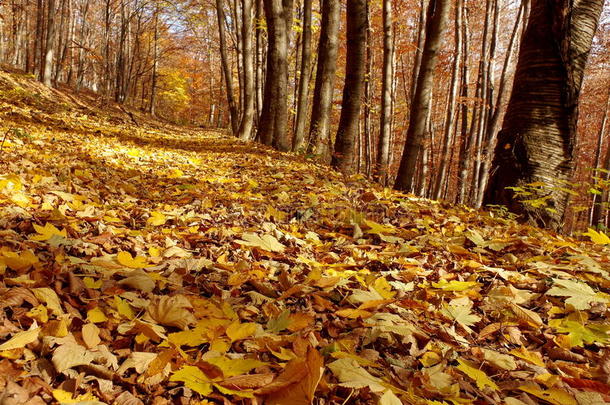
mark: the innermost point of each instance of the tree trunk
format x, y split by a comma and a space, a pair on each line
302, 105
274, 117
228, 75
437, 15
325, 81
385, 124
247, 121
450, 116
49, 44
600, 201
537, 139
343, 157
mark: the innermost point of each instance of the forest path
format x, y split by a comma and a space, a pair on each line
135, 260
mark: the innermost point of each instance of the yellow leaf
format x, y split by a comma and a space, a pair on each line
599, 238
475, 374
455, 285
50, 298
172, 311
193, 378
233, 367
353, 313
384, 288
265, 242
156, 219
91, 283
39, 313
125, 258
96, 315
123, 308
20, 261
554, 395
47, 231
64, 397
21, 339
238, 331
532, 357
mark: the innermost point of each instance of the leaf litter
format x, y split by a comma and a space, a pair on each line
162, 265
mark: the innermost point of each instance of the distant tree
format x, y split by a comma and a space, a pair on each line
303, 94
536, 143
226, 67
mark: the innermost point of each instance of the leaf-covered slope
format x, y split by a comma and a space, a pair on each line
147, 264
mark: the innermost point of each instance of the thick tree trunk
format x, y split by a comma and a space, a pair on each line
385, 124
325, 81
537, 139
274, 117
343, 157
247, 122
228, 74
302, 105
437, 15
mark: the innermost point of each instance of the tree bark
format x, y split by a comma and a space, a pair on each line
247, 121
600, 201
385, 124
228, 75
319, 132
537, 139
49, 44
343, 157
302, 105
437, 15
274, 117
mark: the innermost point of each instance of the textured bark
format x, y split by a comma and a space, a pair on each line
228, 75
302, 105
274, 117
463, 160
437, 15
495, 108
345, 151
247, 121
49, 44
325, 81
600, 201
537, 138
385, 134
450, 116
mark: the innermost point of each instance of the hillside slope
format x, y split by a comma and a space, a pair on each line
153, 264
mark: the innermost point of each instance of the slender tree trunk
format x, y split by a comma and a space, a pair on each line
49, 44
247, 122
345, 151
228, 75
153, 85
600, 201
464, 162
385, 124
302, 105
437, 15
325, 81
537, 139
450, 116
260, 78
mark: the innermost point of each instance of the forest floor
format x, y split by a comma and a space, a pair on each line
146, 263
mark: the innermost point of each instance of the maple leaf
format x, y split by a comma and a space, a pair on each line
580, 294
193, 378
156, 219
459, 309
47, 232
